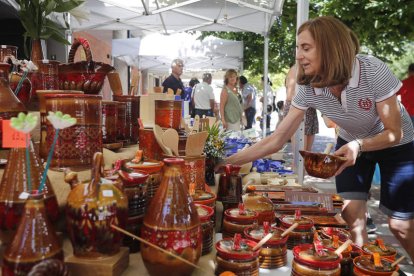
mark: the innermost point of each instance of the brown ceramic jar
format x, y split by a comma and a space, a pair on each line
207, 227
230, 187
149, 145
260, 204
131, 116
109, 122
378, 246
373, 265
301, 234
237, 255
237, 219
168, 113
273, 253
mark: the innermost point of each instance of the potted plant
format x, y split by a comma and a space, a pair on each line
214, 150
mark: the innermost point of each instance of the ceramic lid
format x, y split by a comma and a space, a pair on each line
304, 222
202, 195
307, 255
374, 263
204, 212
257, 202
237, 248
259, 232
133, 178
378, 246
241, 214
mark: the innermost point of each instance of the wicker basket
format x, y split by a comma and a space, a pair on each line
87, 76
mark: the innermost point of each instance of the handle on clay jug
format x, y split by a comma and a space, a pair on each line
96, 173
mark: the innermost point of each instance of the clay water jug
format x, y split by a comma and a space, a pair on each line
171, 222
35, 239
92, 207
14, 190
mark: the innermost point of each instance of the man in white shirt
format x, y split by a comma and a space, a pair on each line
249, 100
203, 97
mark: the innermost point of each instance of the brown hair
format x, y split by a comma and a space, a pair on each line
336, 46
228, 75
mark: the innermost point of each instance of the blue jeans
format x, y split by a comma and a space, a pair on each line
201, 112
250, 113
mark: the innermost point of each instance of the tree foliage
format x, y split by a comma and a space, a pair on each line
383, 27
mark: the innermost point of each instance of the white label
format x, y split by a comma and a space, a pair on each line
108, 193
24, 195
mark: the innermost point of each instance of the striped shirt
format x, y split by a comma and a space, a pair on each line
356, 113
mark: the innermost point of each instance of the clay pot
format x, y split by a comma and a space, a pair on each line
131, 116
77, 144
91, 209
35, 239
205, 213
230, 185
373, 265
109, 122
168, 113
121, 123
300, 235
321, 165
307, 262
7, 50
273, 253
378, 246
148, 144
237, 255
14, 190
260, 204
172, 223
237, 219
25, 92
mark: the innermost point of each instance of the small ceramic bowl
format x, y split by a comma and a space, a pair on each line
321, 165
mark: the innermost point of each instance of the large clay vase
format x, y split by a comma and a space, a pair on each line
171, 222
92, 207
10, 105
14, 190
35, 239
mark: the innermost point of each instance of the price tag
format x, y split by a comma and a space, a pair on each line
107, 193
11, 137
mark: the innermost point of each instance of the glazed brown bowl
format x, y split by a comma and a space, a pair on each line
320, 164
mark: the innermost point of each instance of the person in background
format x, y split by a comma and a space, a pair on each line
270, 103
249, 100
407, 92
173, 81
230, 107
203, 97
311, 118
358, 93
189, 91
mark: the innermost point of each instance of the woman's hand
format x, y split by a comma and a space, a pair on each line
350, 152
224, 124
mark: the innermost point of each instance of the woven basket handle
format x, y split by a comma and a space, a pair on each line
85, 45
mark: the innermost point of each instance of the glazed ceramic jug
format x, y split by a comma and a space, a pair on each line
172, 223
259, 203
230, 186
14, 190
35, 239
10, 105
91, 209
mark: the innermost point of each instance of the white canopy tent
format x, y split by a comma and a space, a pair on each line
155, 52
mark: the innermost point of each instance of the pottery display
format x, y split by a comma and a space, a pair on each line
131, 116
91, 209
10, 105
43, 149
149, 145
109, 122
135, 187
14, 190
273, 253
333, 243
378, 246
205, 213
260, 204
236, 220
373, 265
301, 234
168, 113
77, 144
237, 255
171, 222
308, 261
35, 239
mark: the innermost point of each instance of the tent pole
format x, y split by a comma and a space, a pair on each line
302, 16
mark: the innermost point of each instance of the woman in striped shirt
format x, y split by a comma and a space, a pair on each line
358, 93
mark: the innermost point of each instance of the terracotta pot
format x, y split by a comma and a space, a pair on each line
131, 116
230, 185
48, 70
194, 171
149, 145
14, 190
7, 50
35, 239
329, 232
307, 262
300, 235
77, 144
43, 149
237, 255
10, 105
260, 204
237, 219
366, 265
135, 188
109, 122
172, 223
168, 113
91, 209
379, 247
273, 253
205, 213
